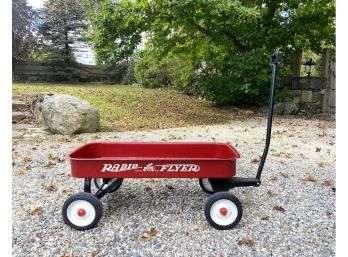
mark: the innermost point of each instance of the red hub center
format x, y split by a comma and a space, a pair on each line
223, 211
81, 212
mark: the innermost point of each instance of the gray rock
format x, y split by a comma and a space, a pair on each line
65, 114
16, 105
278, 108
18, 116
35, 101
264, 109
246, 112
290, 108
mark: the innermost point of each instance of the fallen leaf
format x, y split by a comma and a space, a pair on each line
265, 218
147, 189
321, 164
270, 193
152, 231
35, 211
278, 208
170, 187
310, 178
264, 182
273, 178
50, 187
188, 234
328, 214
333, 189
27, 159
93, 254
145, 238
64, 140
68, 191
49, 165
51, 157
19, 172
317, 149
255, 160
327, 183
285, 175
246, 241
60, 160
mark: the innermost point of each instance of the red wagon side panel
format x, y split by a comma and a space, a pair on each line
154, 160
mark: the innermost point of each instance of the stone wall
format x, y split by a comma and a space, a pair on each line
308, 93
315, 94
34, 72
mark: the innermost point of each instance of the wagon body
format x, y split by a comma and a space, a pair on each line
153, 160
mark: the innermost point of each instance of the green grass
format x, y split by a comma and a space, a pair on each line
135, 108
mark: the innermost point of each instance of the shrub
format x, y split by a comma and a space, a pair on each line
150, 73
242, 79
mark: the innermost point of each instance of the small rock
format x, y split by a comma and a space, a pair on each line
16, 105
290, 108
278, 108
18, 116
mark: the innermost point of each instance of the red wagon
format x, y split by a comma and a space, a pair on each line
214, 164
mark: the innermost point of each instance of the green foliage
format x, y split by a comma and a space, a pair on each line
24, 21
150, 73
221, 47
121, 72
283, 96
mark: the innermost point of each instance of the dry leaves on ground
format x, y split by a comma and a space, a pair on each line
35, 211
327, 183
149, 236
278, 208
147, 189
310, 178
50, 187
245, 241
19, 172
170, 187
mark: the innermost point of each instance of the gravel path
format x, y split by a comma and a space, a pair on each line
291, 214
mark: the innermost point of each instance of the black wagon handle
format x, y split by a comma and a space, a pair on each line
275, 59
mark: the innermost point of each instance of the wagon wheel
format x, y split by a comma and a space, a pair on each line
223, 210
82, 211
206, 185
98, 182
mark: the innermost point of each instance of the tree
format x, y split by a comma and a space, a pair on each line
63, 22
23, 28
227, 43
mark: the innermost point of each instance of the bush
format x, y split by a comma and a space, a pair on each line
121, 72
170, 71
242, 79
150, 73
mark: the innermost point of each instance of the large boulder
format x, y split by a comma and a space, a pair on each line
65, 114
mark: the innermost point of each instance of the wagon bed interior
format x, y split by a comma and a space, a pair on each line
109, 150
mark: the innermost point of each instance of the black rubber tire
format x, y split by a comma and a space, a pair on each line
93, 200
116, 187
223, 196
204, 188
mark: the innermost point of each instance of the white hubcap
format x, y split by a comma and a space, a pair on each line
223, 212
81, 213
206, 184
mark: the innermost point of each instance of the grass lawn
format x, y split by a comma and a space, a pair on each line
135, 108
